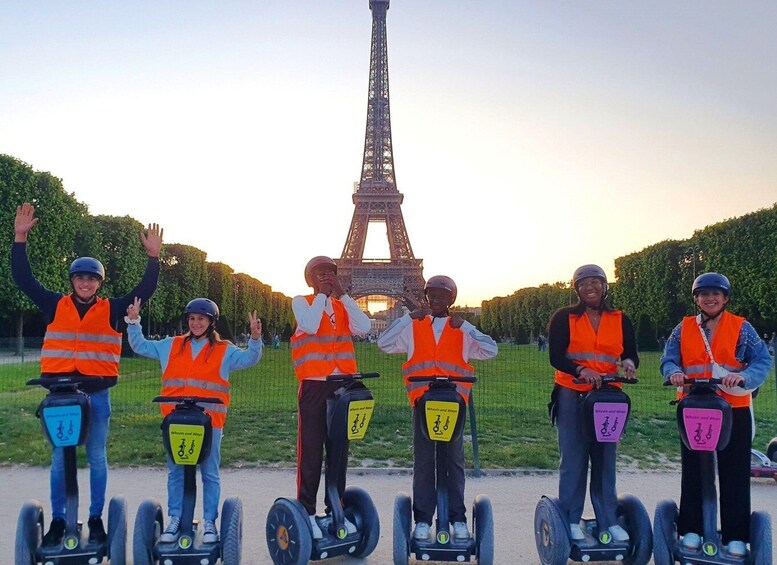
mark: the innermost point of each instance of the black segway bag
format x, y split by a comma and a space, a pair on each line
704, 420
187, 432
443, 410
64, 417
604, 414
351, 408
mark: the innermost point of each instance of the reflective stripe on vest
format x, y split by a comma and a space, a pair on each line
431, 358
696, 363
89, 346
598, 350
200, 376
327, 351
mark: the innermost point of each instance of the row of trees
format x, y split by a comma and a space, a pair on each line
66, 230
653, 286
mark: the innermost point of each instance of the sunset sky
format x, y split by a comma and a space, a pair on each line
529, 137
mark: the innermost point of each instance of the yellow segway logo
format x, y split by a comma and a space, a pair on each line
605, 537
282, 537
709, 548
341, 533
71, 542
186, 443
441, 419
359, 415
185, 542
443, 537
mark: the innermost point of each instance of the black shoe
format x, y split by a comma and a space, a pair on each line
96, 530
56, 532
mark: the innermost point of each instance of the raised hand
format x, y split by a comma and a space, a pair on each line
24, 222
420, 313
255, 325
133, 310
456, 321
153, 241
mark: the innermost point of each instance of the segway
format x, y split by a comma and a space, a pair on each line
64, 415
704, 420
289, 534
605, 415
444, 409
187, 433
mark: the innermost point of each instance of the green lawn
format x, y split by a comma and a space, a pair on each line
510, 400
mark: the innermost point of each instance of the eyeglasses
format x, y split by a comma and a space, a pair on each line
596, 283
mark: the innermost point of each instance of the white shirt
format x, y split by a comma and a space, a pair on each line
398, 338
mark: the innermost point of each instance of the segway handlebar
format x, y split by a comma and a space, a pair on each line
449, 378
711, 381
48, 380
187, 399
353, 377
610, 378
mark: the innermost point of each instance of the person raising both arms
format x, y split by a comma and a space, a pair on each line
69, 318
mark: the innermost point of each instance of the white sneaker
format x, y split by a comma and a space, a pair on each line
350, 527
317, 533
460, 531
618, 533
172, 530
737, 548
691, 541
576, 532
422, 531
210, 533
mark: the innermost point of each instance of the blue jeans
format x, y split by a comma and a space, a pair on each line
211, 482
95, 455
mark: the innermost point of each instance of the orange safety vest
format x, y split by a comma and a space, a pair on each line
330, 348
697, 363
200, 376
89, 345
597, 350
431, 358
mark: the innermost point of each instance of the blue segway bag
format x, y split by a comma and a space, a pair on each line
64, 417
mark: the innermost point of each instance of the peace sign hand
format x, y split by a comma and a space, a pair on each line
133, 310
256, 325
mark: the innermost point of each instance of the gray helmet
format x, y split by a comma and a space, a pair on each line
588, 271
714, 281
87, 266
317, 262
441, 281
203, 306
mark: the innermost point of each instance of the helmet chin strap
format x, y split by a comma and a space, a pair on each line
705, 318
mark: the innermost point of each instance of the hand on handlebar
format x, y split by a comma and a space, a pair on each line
591, 377
677, 379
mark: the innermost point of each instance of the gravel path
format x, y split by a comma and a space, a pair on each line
514, 496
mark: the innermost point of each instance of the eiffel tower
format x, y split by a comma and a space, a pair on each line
376, 198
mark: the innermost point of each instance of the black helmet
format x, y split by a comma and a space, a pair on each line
588, 271
441, 281
203, 306
87, 266
714, 281
317, 262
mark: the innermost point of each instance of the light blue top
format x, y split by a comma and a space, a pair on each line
751, 351
234, 358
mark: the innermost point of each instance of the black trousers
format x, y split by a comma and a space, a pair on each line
311, 436
425, 479
733, 478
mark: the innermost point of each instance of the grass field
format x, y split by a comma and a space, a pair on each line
510, 400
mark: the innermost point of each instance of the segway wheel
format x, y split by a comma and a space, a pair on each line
149, 523
550, 533
402, 517
359, 505
637, 523
117, 531
760, 538
289, 537
29, 533
664, 532
771, 451
483, 527
231, 531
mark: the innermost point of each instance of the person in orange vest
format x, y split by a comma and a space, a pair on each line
322, 345
717, 343
81, 312
585, 341
197, 363
436, 343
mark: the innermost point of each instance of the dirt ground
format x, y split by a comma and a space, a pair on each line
513, 495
